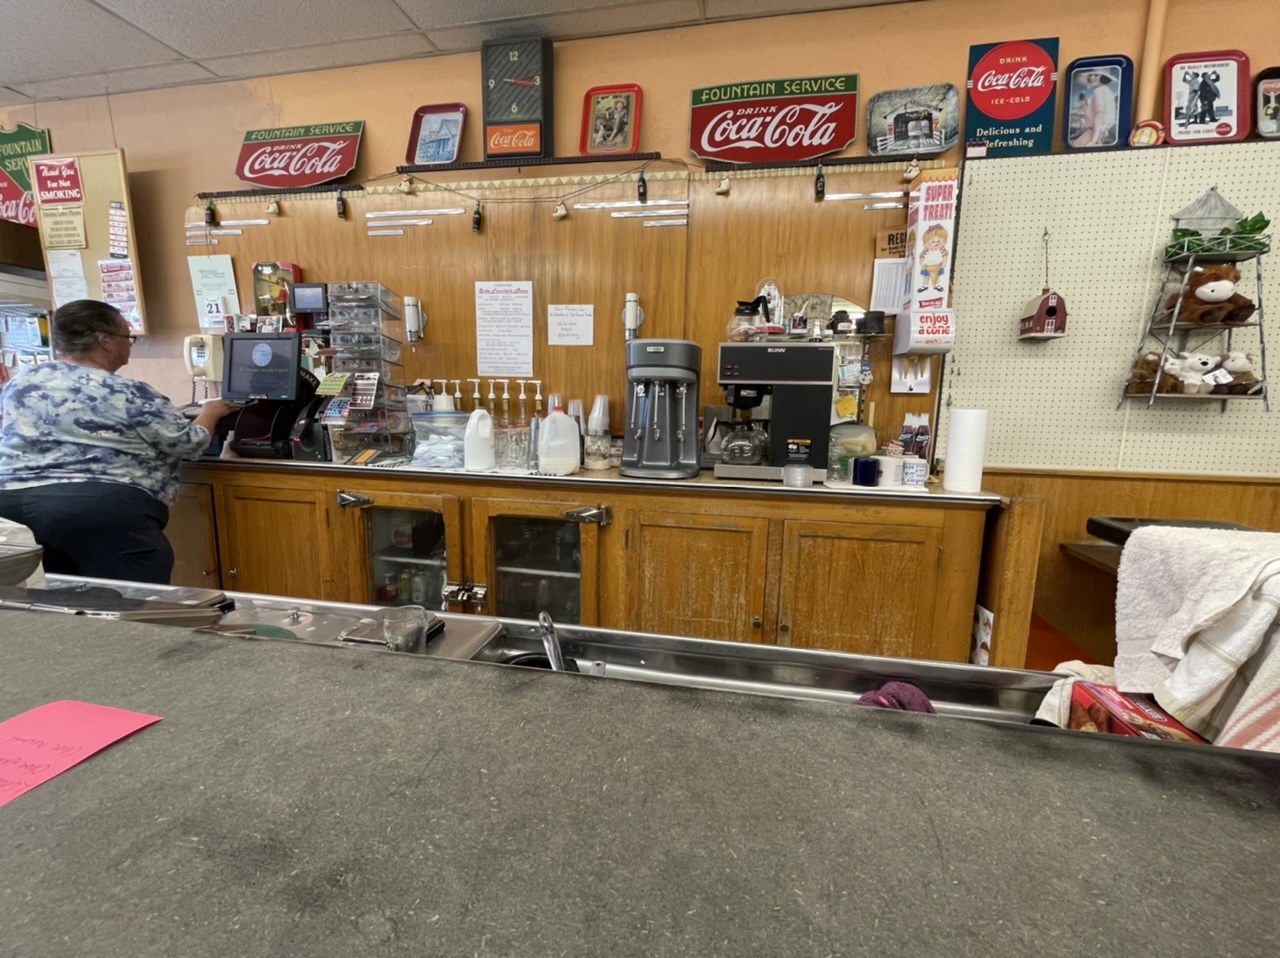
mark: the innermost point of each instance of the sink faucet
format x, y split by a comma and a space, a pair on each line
551, 642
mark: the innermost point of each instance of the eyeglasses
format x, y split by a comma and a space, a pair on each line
132, 339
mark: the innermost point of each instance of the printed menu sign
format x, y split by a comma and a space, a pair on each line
504, 328
1011, 96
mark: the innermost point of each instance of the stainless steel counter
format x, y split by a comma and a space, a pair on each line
703, 484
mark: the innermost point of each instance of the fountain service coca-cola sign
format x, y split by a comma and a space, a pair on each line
770, 121
293, 156
1011, 96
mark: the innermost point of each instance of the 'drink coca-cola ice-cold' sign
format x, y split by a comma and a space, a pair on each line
771, 121
1011, 96
293, 156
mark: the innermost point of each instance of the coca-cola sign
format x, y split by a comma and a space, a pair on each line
513, 139
1011, 96
293, 156
771, 121
16, 203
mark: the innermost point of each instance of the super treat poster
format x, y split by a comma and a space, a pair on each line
1011, 96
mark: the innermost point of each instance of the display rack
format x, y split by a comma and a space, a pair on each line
1162, 324
369, 412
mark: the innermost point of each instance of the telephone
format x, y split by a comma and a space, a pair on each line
203, 357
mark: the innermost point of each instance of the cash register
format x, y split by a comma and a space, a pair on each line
281, 416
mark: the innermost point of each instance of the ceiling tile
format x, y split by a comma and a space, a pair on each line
9, 97
585, 23
398, 46
738, 9
152, 78
434, 15
66, 88
228, 27
48, 39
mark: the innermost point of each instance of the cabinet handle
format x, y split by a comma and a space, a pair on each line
348, 500
207, 573
600, 515
756, 623
233, 572
784, 627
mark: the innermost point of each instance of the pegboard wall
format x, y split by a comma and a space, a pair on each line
1053, 403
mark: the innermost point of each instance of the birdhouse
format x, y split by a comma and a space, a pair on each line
1209, 215
1045, 317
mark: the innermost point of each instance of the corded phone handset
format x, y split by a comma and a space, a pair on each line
203, 357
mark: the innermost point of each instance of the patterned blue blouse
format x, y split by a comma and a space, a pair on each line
68, 423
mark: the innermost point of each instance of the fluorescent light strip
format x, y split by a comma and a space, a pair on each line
393, 214
402, 223
226, 232
244, 222
884, 206
386, 232
666, 222
866, 196
628, 204
202, 242
642, 213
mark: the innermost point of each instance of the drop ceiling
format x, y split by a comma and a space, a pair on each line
63, 49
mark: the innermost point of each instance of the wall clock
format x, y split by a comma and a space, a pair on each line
518, 97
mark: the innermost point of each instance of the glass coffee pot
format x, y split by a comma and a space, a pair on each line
745, 446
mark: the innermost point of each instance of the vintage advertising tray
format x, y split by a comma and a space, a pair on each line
611, 120
1206, 97
436, 134
1097, 106
916, 121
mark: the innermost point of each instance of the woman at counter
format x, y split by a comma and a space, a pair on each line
89, 459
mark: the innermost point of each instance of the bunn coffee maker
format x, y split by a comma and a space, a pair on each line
799, 379
662, 438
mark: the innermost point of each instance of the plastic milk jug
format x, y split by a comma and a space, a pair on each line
478, 442
558, 444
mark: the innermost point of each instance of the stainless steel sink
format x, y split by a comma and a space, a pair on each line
961, 690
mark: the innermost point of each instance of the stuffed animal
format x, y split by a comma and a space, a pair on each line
1244, 381
1191, 368
1211, 298
1146, 369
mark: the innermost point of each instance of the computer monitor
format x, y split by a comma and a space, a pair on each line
308, 298
261, 366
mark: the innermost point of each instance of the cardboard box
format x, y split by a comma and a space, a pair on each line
1104, 708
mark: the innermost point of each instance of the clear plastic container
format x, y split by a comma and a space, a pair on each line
352, 343
441, 439
558, 445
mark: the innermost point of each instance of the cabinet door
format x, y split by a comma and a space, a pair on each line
394, 539
697, 575
856, 587
194, 537
275, 541
535, 557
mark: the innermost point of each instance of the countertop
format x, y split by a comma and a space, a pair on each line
303, 800
704, 483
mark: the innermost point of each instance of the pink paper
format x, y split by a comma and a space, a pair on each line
46, 741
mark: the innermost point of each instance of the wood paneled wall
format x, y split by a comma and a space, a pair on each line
587, 257
689, 278
1079, 599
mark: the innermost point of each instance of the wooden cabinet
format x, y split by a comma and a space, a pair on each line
537, 555
703, 576
859, 587
277, 541
876, 576
193, 534
385, 533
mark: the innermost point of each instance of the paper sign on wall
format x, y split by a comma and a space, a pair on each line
570, 325
504, 328
66, 277
63, 228
213, 280
120, 289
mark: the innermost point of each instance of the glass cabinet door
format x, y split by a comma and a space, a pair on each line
536, 559
409, 546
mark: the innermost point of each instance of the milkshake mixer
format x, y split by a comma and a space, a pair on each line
662, 435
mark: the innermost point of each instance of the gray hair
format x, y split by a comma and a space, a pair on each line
77, 326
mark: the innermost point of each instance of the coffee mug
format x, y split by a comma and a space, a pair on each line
890, 470
864, 471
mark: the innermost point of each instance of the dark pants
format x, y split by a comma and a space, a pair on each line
105, 530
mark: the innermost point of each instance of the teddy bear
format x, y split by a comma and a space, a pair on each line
1244, 381
1146, 369
1191, 368
1211, 298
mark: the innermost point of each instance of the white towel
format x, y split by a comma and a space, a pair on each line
1056, 706
1254, 722
1172, 583
14, 533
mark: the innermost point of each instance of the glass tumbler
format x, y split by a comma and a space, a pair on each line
403, 627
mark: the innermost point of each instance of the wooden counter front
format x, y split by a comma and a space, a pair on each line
885, 574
